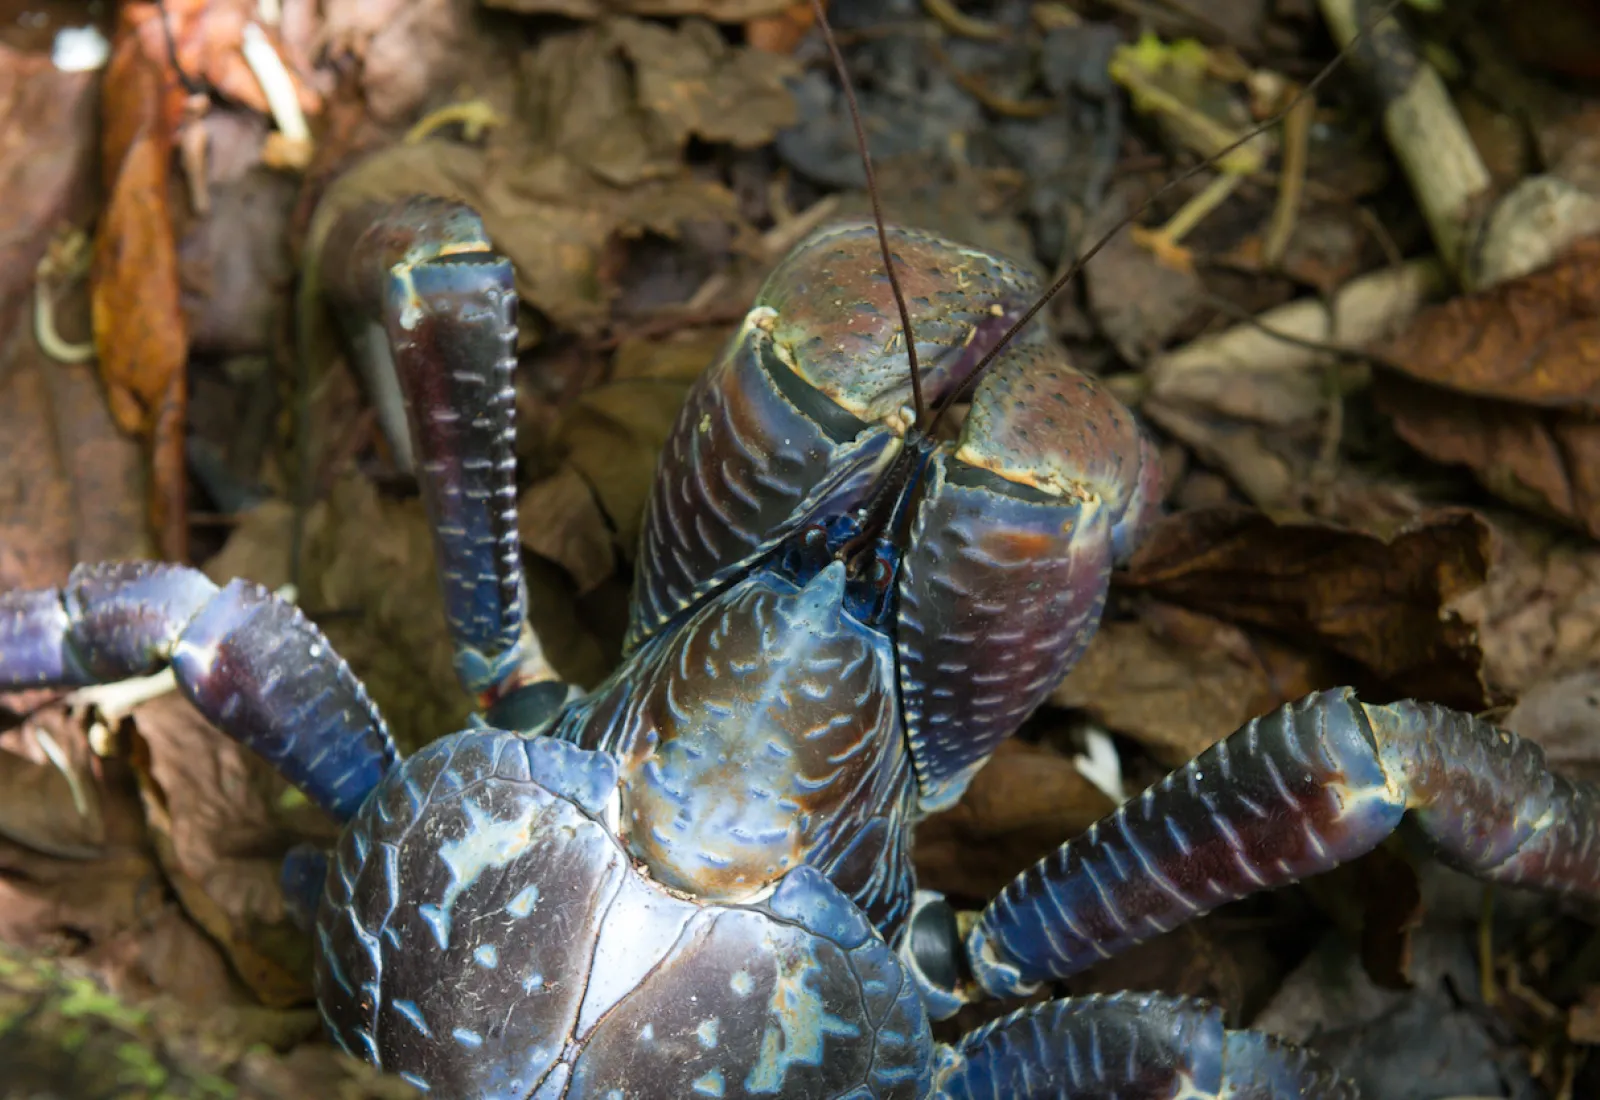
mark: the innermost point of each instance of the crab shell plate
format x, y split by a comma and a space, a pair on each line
483, 933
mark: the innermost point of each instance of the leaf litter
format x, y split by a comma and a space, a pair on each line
1399, 496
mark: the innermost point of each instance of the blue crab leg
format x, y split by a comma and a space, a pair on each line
1135, 1046
250, 662
1298, 792
433, 308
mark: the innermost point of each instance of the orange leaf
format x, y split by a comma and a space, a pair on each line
140, 332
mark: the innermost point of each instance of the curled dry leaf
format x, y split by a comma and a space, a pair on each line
209, 807
1379, 602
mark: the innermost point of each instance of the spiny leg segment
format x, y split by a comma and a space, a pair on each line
1293, 794
249, 661
1138, 1046
431, 308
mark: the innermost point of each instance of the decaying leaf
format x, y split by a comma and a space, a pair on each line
407, 49
1375, 601
205, 39
109, 908
695, 83
594, 157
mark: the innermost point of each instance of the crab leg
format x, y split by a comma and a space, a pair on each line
1295, 793
251, 663
431, 306
1136, 1046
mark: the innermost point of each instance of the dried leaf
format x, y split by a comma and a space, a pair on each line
1539, 613
1375, 601
1534, 340
555, 224
138, 320
206, 38
49, 801
109, 910
1177, 681
1544, 460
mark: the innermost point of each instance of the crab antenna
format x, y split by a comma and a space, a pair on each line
877, 209
977, 372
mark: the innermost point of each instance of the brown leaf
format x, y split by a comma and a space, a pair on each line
554, 221
407, 49
559, 518
697, 84
110, 910
206, 804
1372, 600
1177, 681
1544, 460
1535, 340
1539, 613
49, 794
205, 38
